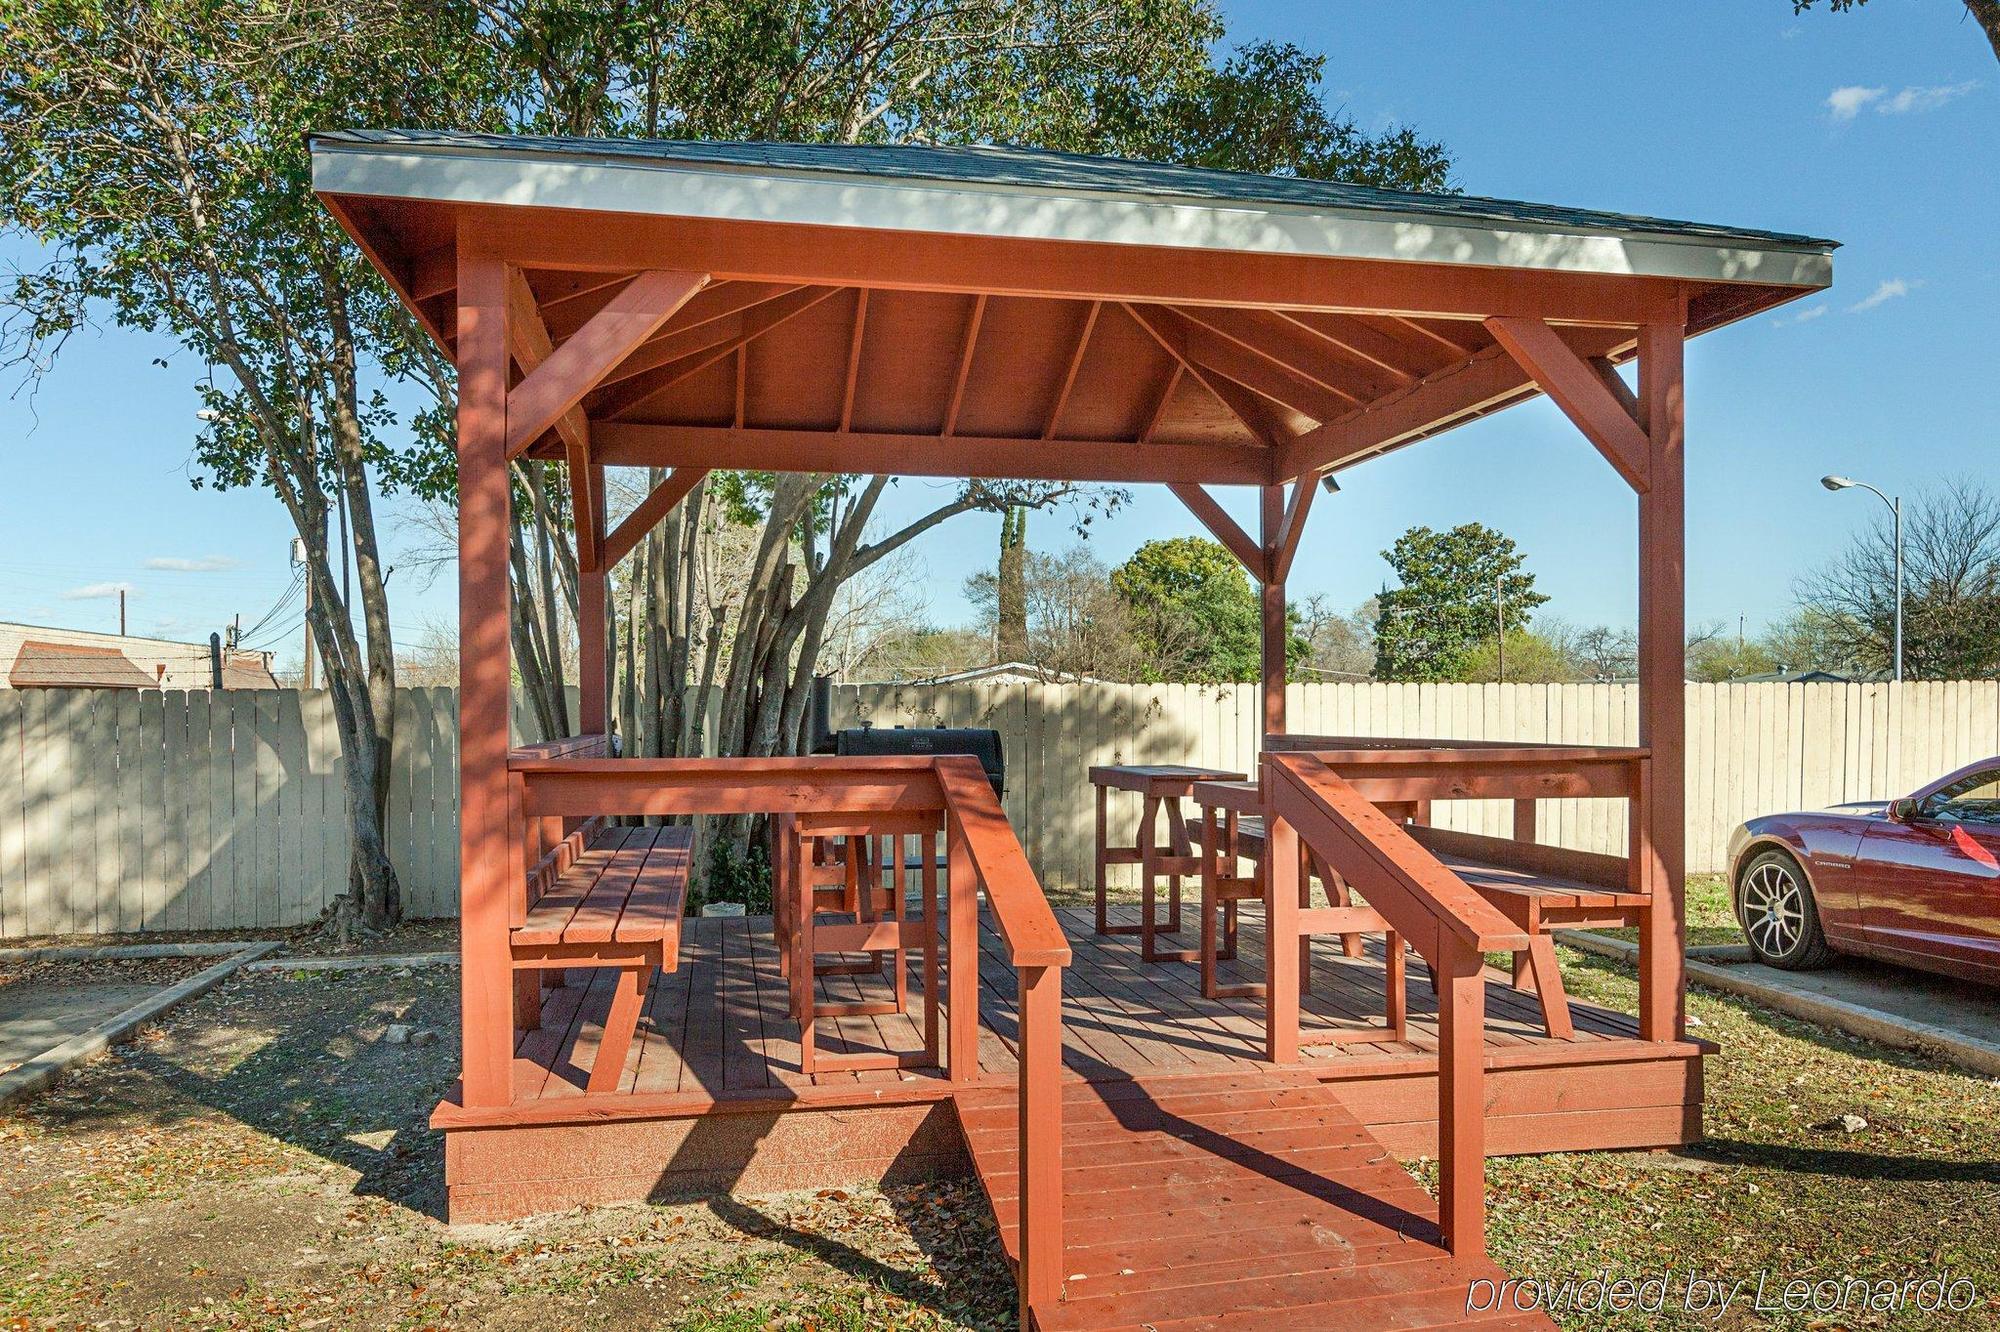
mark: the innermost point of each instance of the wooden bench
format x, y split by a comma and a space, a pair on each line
603, 897
1540, 888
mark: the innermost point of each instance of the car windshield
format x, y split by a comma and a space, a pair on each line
1971, 799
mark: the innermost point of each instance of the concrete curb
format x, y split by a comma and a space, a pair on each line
364, 963
1972, 1052
44, 1069
1605, 946
84, 953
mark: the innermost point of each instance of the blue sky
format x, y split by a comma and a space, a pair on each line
1876, 128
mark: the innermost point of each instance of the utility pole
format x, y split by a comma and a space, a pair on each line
298, 561
121, 612
1500, 625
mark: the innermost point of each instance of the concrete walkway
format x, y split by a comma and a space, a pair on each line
1917, 996
34, 1018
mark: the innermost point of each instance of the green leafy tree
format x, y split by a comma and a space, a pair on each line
1194, 612
1452, 588
154, 153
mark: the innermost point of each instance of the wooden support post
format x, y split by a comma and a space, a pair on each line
1281, 923
1662, 675
1041, 1139
593, 678
1524, 820
485, 512
962, 959
1462, 1101
1272, 599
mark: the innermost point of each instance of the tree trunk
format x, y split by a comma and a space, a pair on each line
1012, 589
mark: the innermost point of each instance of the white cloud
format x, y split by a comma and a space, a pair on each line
1846, 103
1925, 99
182, 564
1805, 316
96, 591
1885, 291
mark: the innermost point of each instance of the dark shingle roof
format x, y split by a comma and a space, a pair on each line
1074, 172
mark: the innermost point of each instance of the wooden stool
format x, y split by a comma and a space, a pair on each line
856, 865
1161, 788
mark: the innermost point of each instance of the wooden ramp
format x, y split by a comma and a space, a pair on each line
1238, 1200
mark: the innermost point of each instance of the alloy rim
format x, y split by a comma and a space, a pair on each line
1774, 909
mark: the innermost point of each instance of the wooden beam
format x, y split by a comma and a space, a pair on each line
716, 324
1361, 343
1293, 527
1224, 528
1273, 635
699, 349
1069, 375
574, 369
632, 530
730, 248
1659, 817
529, 344
1481, 383
860, 331
1201, 346
1297, 348
1158, 411
1240, 402
958, 380
641, 444
487, 854
1607, 419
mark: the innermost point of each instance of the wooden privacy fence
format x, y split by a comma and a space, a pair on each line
125, 811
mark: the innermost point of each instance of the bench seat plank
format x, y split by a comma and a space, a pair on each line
596, 918
550, 915
1548, 890
659, 896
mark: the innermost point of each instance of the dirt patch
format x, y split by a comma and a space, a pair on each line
157, 971
262, 1159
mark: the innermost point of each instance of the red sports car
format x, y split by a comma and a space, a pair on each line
1915, 881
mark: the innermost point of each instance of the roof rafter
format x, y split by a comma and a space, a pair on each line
705, 348
1069, 375
958, 381
1288, 346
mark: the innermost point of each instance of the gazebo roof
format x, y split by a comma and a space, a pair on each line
1012, 312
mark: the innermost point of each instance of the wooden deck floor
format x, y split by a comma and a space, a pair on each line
716, 1029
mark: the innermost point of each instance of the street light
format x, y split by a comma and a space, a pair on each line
1895, 508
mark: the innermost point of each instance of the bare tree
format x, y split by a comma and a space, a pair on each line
1951, 576
1076, 624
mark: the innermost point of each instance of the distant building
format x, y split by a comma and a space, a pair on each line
36, 656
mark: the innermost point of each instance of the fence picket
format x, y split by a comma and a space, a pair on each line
148, 811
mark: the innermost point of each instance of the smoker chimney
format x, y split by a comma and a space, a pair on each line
820, 718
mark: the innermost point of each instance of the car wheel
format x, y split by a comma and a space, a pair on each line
1775, 907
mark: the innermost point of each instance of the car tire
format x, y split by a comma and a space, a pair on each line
1780, 920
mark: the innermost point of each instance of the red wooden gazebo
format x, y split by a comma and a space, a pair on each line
1153, 1155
